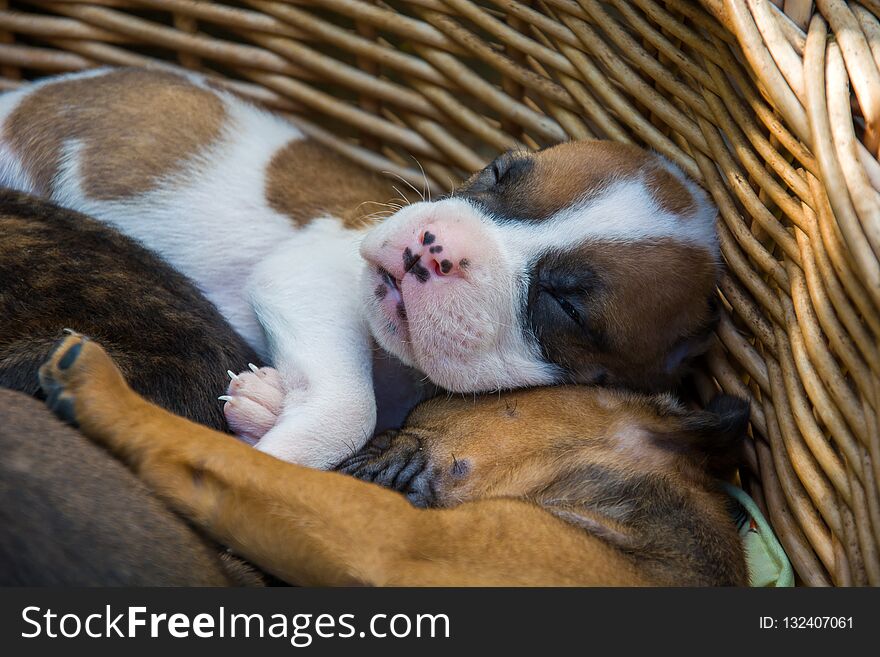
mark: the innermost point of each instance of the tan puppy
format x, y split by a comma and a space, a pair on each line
554, 486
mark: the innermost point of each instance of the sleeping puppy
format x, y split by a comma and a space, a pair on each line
568, 485
588, 262
61, 269
69, 514
72, 515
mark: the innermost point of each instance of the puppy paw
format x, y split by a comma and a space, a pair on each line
77, 369
253, 402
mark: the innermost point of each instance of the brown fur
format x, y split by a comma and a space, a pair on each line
636, 471
118, 159
326, 183
669, 192
572, 171
303, 180
60, 269
69, 514
540, 487
72, 516
633, 324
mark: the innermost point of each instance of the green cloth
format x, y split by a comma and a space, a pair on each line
766, 560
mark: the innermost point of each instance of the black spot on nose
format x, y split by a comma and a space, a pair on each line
428, 238
464, 263
409, 259
445, 266
421, 273
436, 249
411, 264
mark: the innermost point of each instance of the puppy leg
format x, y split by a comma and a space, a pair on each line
224, 487
311, 527
305, 296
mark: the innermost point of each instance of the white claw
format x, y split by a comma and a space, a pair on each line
232, 375
225, 398
254, 368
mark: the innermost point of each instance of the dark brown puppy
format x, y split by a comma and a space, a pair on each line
60, 269
69, 514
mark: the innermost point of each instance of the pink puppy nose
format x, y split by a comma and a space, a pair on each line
442, 251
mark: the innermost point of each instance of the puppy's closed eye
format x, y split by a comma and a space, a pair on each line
570, 295
567, 307
504, 170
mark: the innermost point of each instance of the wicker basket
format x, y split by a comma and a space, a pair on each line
774, 106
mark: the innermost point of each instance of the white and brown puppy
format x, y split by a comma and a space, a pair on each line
586, 262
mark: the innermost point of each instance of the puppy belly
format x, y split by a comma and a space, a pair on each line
210, 221
208, 249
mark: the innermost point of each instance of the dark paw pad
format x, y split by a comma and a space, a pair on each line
68, 358
60, 404
63, 409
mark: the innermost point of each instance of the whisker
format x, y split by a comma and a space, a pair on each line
391, 211
408, 202
425, 178
396, 206
406, 182
369, 202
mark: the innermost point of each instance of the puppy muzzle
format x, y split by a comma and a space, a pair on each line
395, 460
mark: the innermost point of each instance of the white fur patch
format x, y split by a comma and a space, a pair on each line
305, 298
625, 212
12, 174
474, 340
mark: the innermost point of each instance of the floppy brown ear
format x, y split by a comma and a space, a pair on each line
714, 435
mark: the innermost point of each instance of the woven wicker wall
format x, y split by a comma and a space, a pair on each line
774, 107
